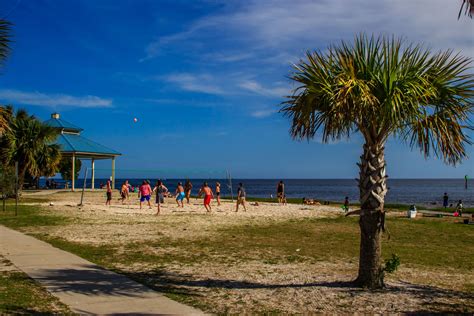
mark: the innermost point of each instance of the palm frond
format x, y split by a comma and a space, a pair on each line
467, 7
381, 86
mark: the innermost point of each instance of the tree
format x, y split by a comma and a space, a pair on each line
380, 87
4, 51
65, 168
30, 143
467, 7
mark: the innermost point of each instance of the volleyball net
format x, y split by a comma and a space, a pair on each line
96, 180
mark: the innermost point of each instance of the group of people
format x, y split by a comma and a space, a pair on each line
459, 206
182, 192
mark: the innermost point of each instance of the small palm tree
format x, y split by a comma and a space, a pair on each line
30, 143
379, 87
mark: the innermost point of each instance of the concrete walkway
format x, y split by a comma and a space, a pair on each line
85, 287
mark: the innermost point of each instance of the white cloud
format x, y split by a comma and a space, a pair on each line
52, 100
254, 86
267, 29
202, 83
262, 113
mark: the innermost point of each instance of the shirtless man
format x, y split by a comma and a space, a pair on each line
180, 194
188, 186
208, 195
109, 193
124, 192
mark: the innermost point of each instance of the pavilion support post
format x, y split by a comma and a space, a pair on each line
92, 173
113, 172
73, 171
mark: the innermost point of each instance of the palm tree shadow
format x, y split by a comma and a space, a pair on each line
89, 280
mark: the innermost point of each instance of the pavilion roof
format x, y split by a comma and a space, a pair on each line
63, 125
81, 146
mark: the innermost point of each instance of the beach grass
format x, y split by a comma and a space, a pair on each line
20, 295
430, 242
423, 244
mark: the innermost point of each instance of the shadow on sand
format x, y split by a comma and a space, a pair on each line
88, 280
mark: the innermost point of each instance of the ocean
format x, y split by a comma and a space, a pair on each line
405, 191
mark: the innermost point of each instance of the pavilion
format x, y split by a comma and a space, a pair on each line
76, 146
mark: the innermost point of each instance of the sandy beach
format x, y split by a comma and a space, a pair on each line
181, 241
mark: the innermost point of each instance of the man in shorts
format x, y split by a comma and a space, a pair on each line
208, 195
180, 195
144, 193
109, 193
240, 197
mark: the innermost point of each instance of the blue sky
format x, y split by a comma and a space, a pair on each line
205, 78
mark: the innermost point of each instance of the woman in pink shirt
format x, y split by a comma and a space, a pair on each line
144, 193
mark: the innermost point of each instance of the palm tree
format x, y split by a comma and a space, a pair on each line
30, 143
380, 87
4, 50
468, 7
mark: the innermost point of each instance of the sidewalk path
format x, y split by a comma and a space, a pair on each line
85, 287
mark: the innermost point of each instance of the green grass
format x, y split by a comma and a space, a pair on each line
20, 295
29, 215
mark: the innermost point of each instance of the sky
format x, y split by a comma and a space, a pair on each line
205, 79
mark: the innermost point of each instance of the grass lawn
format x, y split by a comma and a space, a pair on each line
20, 295
427, 245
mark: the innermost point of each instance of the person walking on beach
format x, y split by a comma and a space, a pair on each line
124, 194
188, 186
218, 193
144, 193
445, 200
345, 207
180, 194
208, 195
280, 192
240, 197
109, 193
160, 190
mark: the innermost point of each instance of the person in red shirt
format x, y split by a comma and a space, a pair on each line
144, 193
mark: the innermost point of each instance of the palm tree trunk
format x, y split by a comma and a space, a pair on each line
372, 186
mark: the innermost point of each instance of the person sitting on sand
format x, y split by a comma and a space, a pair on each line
208, 195
109, 193
188, 186
180, 194
160, 190
240, 197
459, 208
280, 192
124, 194
218, 193
144, 193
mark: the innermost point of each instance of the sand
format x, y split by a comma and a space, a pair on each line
251, 286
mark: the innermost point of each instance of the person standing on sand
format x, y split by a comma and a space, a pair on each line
160, 190
346, 204
240, 197
124, 194
180, 194
218, 193
208, 195
109, 193
188, 186
144, 193
280, 192
445, 200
